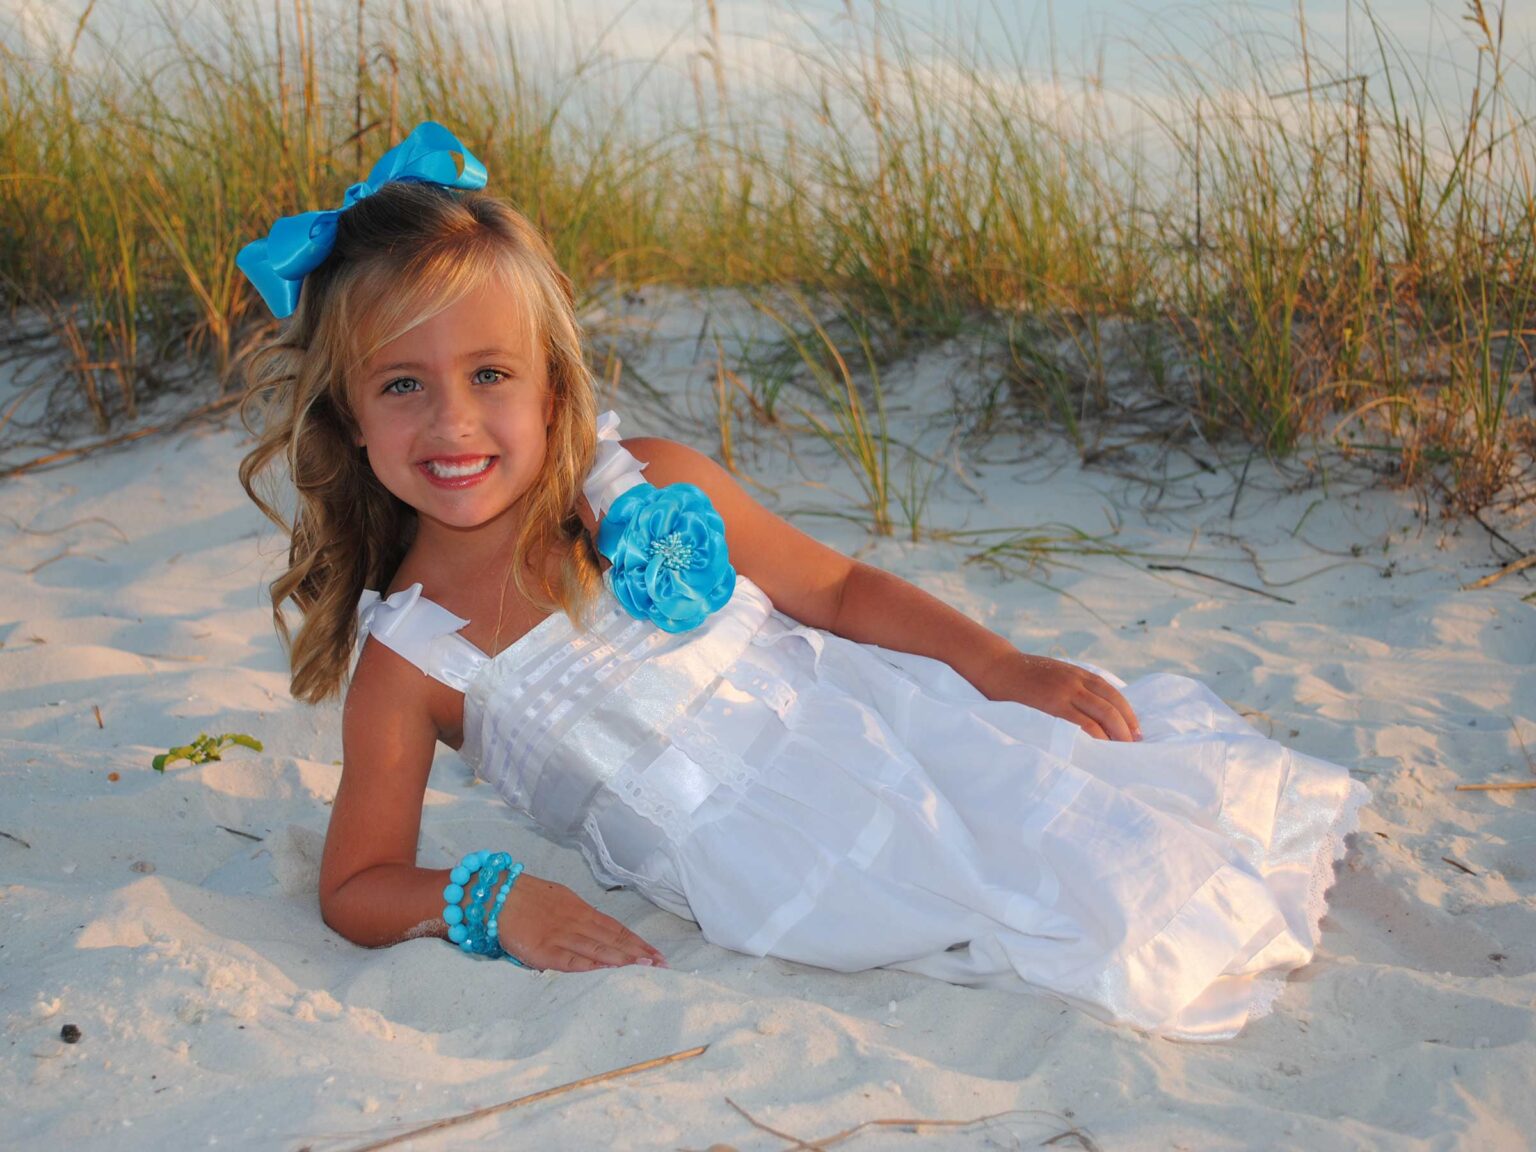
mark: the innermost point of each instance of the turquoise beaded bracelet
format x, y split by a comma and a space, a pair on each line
469, 926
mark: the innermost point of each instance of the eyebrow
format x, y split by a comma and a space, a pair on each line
474, 355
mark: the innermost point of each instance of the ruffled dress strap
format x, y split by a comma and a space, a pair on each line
423, 632
614, 469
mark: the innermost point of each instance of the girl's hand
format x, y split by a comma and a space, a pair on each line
1076, 694
546, 925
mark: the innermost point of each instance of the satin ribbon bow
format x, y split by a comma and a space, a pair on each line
297, 245
387, 613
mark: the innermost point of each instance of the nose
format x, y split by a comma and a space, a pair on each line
454, 414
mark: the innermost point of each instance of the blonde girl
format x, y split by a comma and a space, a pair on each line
807, 756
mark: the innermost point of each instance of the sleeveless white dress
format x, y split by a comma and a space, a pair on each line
837, 804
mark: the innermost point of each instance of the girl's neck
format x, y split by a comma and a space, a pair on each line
463, 558
485, 547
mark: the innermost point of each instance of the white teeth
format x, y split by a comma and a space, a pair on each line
455, 471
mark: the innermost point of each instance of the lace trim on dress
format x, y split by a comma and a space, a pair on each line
1266, 989
672, 789
654, 804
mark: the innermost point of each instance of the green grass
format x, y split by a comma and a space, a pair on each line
1343, 248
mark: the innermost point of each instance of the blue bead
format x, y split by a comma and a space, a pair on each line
474, 924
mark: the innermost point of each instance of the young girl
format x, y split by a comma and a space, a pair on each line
807, 756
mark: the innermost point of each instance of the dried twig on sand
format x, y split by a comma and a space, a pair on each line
127, 437
1509, 569
821, 1143
1219, 580
533, 1098
1507, 785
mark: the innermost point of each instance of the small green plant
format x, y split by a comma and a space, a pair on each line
204, 749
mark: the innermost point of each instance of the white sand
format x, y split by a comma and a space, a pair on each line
217, 1009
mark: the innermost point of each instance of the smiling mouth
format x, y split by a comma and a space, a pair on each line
458, 470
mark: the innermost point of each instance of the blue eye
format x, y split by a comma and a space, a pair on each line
402, 386
496, 373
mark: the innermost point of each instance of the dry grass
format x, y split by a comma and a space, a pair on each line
1348, 255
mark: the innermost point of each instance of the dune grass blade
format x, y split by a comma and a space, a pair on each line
852, 427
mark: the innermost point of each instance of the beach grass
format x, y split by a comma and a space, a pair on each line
1289, 249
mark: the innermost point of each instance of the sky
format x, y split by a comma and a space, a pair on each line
1082, 30
1100, 50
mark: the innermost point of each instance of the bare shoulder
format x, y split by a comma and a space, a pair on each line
389, 693
383, 683
668, 462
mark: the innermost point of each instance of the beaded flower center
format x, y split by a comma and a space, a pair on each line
675, 552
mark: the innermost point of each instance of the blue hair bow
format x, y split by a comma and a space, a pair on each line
297, 245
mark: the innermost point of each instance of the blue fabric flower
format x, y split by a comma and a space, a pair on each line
667, 546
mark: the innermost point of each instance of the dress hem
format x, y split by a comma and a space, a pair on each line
1267, 989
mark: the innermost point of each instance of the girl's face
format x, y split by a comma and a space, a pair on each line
455, 413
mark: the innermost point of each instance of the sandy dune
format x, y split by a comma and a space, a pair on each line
173, 919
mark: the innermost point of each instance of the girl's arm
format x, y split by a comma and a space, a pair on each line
819, 586
371, 890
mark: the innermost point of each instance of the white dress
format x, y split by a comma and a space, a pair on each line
837, 804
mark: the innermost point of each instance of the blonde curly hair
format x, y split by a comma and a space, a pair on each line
402, 255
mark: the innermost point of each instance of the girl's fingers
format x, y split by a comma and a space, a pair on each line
609, 931
1124, 713
612, 955
584, 954
1110, 721
1089, 725
569, 960
601, 955
601, 947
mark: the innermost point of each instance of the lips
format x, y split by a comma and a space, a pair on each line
457, 471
